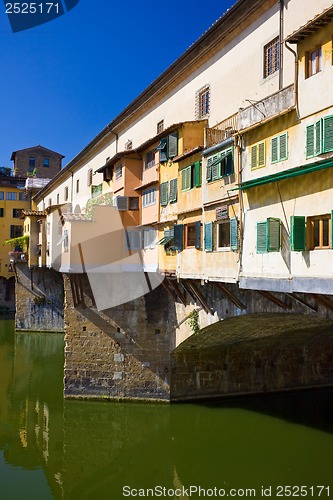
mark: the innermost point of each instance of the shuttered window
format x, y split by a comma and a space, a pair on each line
197, 243
268, 235
164, 191
258, 155
173, 190
178, 237
220, 165
319, 137
208, 241
297, 233
197, 174
163, 149
187, 178
172, 145
279, 148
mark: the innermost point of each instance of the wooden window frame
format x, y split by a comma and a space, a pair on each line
271, 57
318, 61
189, 228
202, 102
219, 224
160, 127
310, 232
150, 159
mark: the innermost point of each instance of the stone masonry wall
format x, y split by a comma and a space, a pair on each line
39, 300
123, 352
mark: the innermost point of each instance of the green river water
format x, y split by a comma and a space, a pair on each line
51, 448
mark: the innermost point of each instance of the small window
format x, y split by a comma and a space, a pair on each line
149, 237
189, 235
149, 197
271, 57
319, 137
223, 234
78, 185
11, 196
1, 212
258, 155
58, 199
149, 159
133, 239
191, 176
173, 190
2, 195
160, 126
50, 202
89, 177
164, 191
17, 212
32, 162
66, 193
269, 235
133, 203
46, 162
319, 232
118, 172
16, 231
313, 62
202, 102
220, 165
23, 197
279, 148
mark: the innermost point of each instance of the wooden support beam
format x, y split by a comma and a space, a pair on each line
71, 279
77, 290
323, 300
81, 291
177, 290
196, 294
168, 289
302, 301
275, 300
231, 296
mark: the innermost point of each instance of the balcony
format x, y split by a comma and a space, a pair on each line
222, 131
17, 257
266, 109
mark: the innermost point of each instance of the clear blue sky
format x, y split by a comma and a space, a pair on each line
64, 81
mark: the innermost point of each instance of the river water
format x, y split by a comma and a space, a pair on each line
51, 448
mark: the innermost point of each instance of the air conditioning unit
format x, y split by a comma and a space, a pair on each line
122, 203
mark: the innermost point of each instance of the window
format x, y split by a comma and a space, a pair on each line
313, 62
271, 57
46, 162
279, 148
89, 177
223, 234
220, 165
149, 159
66, 193
319, 232
149, 197
168, 147
78, 185
118, 172
10, 196
202, 102
258, 155
65, 240
178, 237
2, 212
149, 236
319, 137
16, 231
168, 240
268, 235
50, 202
2, 195
133, 203
297, 233
133, 239
191, 176
173, 190
160, 127
164, 191
17, 212
208, 236
32, 163
189, 235
58, 199
23, 197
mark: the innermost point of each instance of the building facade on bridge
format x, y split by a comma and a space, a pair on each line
220, 172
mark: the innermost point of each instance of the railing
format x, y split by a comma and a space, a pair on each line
222, 131
17, 257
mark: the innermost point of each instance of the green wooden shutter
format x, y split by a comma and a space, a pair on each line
216, 170
164, 187
173, 145
297, 233
178, 237
328, 134
254, 150
197, 174
197, 243
209, 237
275, 149
173, 190
318, 138
261, 237
274, 230
261, 154
310, 141
186, 178
233, 234
209, 170
283, 146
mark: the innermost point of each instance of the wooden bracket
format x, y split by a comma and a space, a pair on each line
275, 300
231, 296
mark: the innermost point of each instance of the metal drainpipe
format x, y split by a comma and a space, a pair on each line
116, 135
281, 44
295, 79
241, 202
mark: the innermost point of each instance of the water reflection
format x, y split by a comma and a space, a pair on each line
88, 450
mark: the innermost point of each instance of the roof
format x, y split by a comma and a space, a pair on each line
231, 24
311, 26
30, 213
34, 148
186, 154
